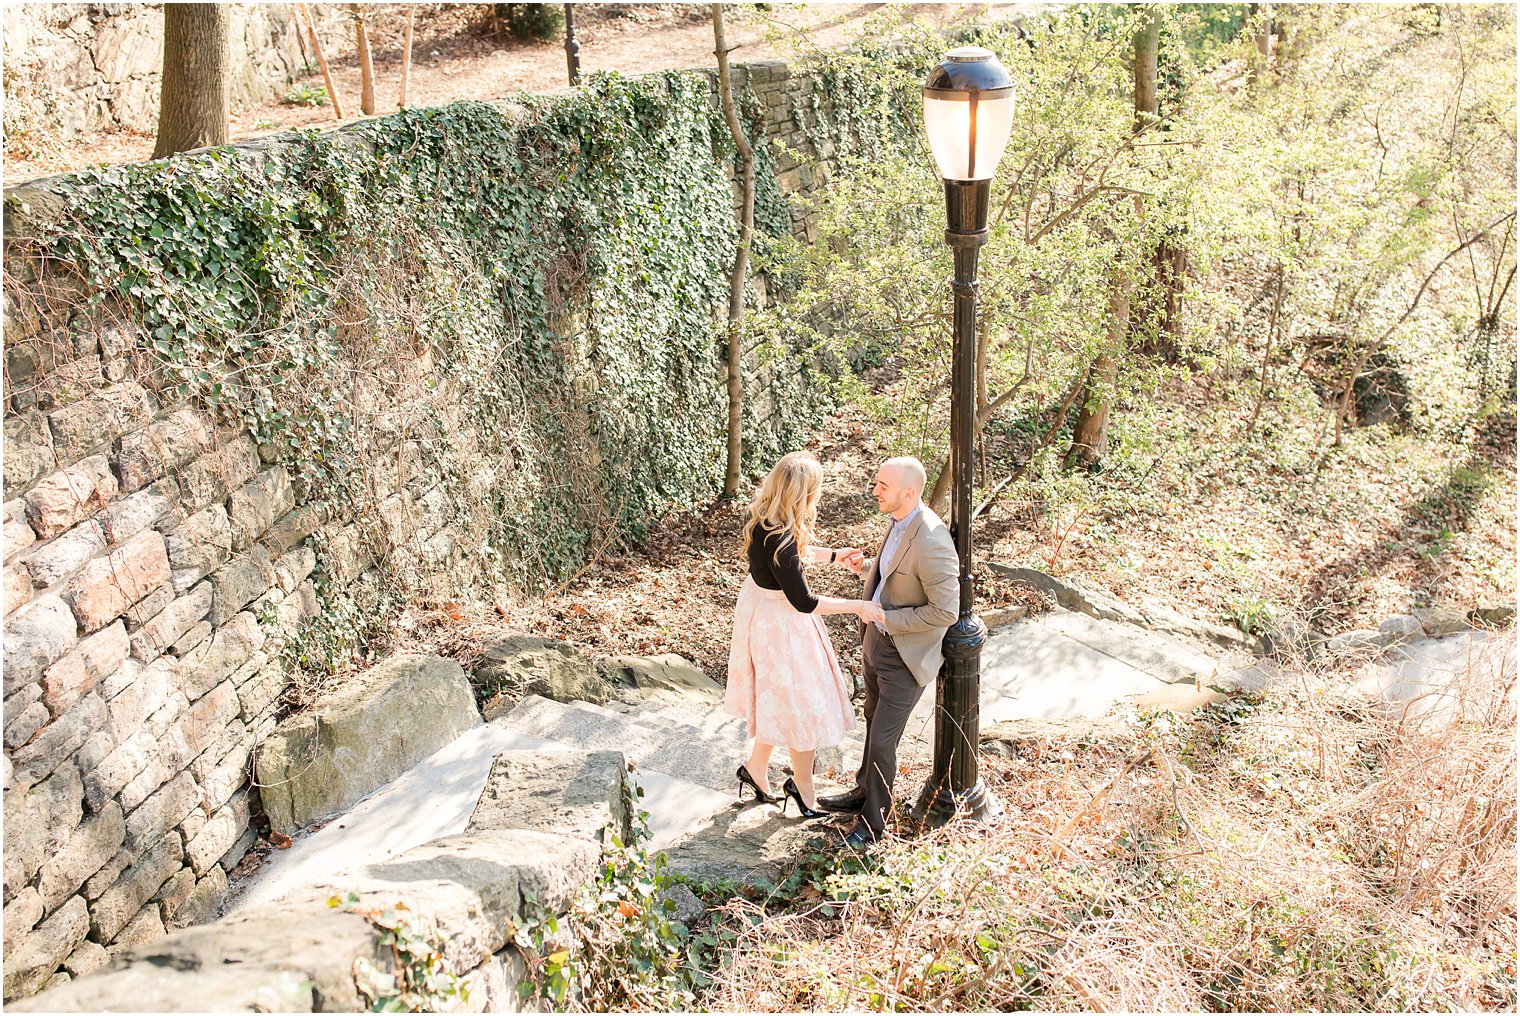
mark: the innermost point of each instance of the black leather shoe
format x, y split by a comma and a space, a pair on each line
859, 838
852, 800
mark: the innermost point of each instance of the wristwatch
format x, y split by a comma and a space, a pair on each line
833, 555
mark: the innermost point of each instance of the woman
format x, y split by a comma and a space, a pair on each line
783, 677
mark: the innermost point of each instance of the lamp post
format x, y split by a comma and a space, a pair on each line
968, 115
572, 46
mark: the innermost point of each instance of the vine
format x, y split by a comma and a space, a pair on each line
506, 317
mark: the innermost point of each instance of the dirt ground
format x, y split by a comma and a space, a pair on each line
456, 55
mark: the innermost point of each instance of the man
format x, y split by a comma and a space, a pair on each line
916, 579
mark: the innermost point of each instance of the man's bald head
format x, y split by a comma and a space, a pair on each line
899, 485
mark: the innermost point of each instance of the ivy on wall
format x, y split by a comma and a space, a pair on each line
528, 296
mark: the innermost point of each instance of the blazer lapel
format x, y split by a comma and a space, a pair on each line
902, 546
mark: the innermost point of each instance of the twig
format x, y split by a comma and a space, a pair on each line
1134, 762
612, 535
406, 55
316, 44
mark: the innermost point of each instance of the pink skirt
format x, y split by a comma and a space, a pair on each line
783, 676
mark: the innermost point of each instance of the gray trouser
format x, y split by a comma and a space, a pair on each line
891, 694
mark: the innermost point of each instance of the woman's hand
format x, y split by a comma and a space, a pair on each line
851, 558
871, 612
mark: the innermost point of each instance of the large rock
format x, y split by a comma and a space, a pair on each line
293, 959
1438, 621
95, 843
1492, 617
91, 662
669, 673
528, 665
585, 794
370, 731
107, 586
28, 450
1363, 643
61, 556
1402, 629
62, 499
38, 823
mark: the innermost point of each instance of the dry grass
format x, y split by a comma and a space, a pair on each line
1303, 851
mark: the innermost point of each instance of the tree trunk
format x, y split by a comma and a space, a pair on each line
316, 45
1259, 23
741, 262
1147, 102
1089, 435
1160, 317
366, 64
192, 107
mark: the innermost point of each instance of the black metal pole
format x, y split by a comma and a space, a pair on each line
955, 788
572, 46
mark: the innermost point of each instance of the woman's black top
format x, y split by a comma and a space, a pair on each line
783, 570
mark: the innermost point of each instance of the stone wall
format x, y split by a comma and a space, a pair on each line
156, 568
86, 66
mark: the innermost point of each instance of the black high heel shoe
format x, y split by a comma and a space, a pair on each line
746, 780
791, 793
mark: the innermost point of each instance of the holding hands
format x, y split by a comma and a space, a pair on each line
852, 558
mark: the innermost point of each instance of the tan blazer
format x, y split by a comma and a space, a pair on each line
921, 595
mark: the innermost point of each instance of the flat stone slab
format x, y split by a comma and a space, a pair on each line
436, 798
583, 794
1163, 657
749, 843
581, 725
1439, 678
373, 729
1030, 670
1179, 698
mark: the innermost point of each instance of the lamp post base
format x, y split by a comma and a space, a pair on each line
939, 805
955, 789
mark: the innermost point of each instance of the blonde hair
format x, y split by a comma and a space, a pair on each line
787, 500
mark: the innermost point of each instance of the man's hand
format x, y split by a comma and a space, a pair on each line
871, 612
852, 558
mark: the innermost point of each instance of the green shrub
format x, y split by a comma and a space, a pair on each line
306, 95
532, 21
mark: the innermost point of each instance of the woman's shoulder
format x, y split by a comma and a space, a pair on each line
772, 531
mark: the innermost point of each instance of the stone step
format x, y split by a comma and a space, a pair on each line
1033, 671
711, 723
654, 743
582, 725
1168, 658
